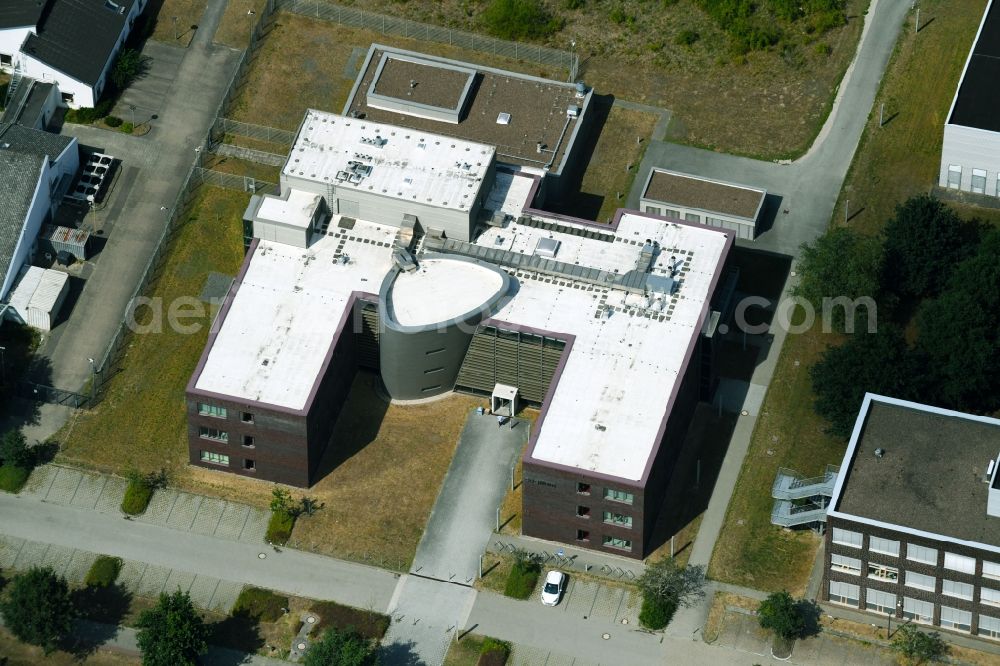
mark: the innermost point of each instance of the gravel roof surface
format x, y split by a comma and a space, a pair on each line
704, 194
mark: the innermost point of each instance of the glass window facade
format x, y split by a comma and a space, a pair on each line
851, 565
884, 546
213, 433
212, 410
615, 542
214, 458
918, 610
954, 588
954, 618
920, 581
880, 602
617, 519
847, 537
844, 593
618, 495
961, 563
921, 553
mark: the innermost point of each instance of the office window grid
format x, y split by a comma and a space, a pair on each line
879, 601
954, 588
960, 563
845, 564
617, 542
618, 496
215, 458
847, 537
844, 593
979, 181
921, 553
617, 519
918, 610
213, 433
883, 572
215, 411
954, 618
989, 596
991, 570
920, 581
989, 626
884, 546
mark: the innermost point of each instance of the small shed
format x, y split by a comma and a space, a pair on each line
38, 296
64, 239
504, 400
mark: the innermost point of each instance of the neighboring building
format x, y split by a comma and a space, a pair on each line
458, 283
71, 43
36, 168
537, 125
970, 155
38, 296
33, 105
914, 522
702, 200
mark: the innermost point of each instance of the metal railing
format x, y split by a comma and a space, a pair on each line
391, 25
225, 126
787, 514
789, 484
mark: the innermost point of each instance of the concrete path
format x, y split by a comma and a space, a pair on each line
150, 93
285, 570
431, 603
189, 106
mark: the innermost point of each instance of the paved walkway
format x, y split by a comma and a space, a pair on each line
431, 603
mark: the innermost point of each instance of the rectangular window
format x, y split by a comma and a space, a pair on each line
978, 181
920, 581
884, 546
989, 596
692, 217
921, 553
954, 176
249, 465
653, 210
960, 563
248, 441
212, 410
66, 97
617, 519
432, 371
670, 212
434, 351
953, 618
845, 564
214, 458
880, 602
246, 417
582, 535
615, 542
882, 572
847, 537
989, 626
953, 588
844, 593
431, 388
5, 59
213, 433
918, 610
618, 495
583, 488
991, 570
583, 512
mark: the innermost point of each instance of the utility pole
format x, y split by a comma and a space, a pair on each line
93, 381
175, 28
131, 108
847, 208
916, 24
881, 113
250, 15
3, 369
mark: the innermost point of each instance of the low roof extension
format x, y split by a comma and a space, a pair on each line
928, 480
977, 101
534, 110
626, 352
704, 194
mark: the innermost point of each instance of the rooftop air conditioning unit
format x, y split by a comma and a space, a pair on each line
573, 111
503, 119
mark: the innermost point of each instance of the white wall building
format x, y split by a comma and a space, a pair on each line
970, 154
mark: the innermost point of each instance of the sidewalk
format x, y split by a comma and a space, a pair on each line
572, 559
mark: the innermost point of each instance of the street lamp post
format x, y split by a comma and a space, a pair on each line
3, 369
131, 108
93, 381
250, 14
175, 28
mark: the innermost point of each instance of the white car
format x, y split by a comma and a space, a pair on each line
555, 585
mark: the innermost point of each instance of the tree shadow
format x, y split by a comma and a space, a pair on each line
103, 610
810, 613
239, 631
399, 654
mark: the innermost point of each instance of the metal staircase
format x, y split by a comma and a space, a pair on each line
801, 500
15, 81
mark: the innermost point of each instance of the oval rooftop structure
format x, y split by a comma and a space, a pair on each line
441, 290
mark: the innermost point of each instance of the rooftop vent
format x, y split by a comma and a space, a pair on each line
880, 453
503, 119
573, 111
581, 89
547, 247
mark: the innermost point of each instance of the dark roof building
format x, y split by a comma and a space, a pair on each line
20, 13
20, 173
977, 103
914, 521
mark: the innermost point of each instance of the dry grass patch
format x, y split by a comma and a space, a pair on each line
239, 167
181, 32
302, 61
902, 158
16, 653
141, 422
465, 652
234, 28
750, 550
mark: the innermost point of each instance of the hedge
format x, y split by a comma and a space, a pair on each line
522, 579
368, 624
493, 652
113, 121
655, 613
137, 497
103, 572
279, 528
13, 478
261, 605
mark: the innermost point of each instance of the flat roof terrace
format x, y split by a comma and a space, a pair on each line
930, 475
704, 194
537, 108
977, 102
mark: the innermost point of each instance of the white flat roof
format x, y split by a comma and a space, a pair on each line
297, 210
440, 290
612, 396
405, 164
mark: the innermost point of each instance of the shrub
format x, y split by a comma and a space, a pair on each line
340, 648
917, 646
519, 19
137, 497
780, 613
38, 608
574, 4
368, 624
13, 478
656, 613
687, 37
522, 579
103, 572
129, 65
279, 528
493, 652
128, 128
261, 605
113, 121
823, 49
14, 450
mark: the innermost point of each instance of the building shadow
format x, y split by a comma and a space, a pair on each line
357, 425
769, 212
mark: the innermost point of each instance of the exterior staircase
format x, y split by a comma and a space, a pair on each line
801, 500
15, 80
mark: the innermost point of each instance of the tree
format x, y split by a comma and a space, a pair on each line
340, 648
664, 581
129, 65
960, 332
38, 608
839, 264
14, 450
519, 19
924, 241
172, 633
917, 646
780, 613
879, 362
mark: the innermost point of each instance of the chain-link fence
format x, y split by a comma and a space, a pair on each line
249, 154
390, 25
232, 181
224, 126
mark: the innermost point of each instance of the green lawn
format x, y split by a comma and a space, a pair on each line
893, 162
141, 422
